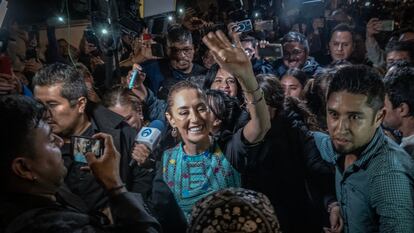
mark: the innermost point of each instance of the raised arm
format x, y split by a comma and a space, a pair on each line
233, 59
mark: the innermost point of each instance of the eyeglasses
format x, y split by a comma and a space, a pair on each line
186, 51
294, 53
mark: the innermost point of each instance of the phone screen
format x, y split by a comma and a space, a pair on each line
387, 25
80, 146
157, 50
271, 50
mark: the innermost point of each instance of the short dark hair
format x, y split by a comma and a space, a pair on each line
179, 34
359, 79
399, 86
20, 115
296, 37
73, 82
401, 46
247, 38
272, 90
343, 27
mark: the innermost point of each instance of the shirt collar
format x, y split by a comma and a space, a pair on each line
407, 140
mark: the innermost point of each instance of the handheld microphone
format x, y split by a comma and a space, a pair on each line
134, 75
150, 136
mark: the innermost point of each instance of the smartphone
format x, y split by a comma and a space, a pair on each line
157, 50
271, 50
387, 25
244, 26
80, 146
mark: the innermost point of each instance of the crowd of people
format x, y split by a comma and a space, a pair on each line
319, 139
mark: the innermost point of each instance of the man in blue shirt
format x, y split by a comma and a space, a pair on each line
164, 73
374, 176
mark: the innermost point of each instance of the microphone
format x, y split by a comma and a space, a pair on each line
150, 136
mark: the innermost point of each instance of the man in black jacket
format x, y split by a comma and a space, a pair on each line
62, 89
32, 171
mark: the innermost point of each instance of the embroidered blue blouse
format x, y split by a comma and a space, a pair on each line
192, 177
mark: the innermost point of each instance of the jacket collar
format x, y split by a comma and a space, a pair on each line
106, 121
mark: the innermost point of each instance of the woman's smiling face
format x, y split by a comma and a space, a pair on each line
189, 113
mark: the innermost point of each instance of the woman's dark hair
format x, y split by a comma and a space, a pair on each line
123, 96
300, 115
272, 89
315, 95
224, 107
301, 76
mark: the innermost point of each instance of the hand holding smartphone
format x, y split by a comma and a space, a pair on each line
80, 146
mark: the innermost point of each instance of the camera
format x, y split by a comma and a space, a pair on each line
80, 146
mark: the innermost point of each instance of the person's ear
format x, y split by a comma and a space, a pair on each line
22, 168
379, 117
82, 104
404, 110
170, 120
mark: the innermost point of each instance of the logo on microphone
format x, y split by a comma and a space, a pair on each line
146, 132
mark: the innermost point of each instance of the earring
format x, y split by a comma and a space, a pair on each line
174, 132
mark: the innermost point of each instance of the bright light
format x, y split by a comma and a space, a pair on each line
104, 31
60, 18
170, 18
181, 10
256, 14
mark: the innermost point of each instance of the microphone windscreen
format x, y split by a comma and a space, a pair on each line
157, 124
